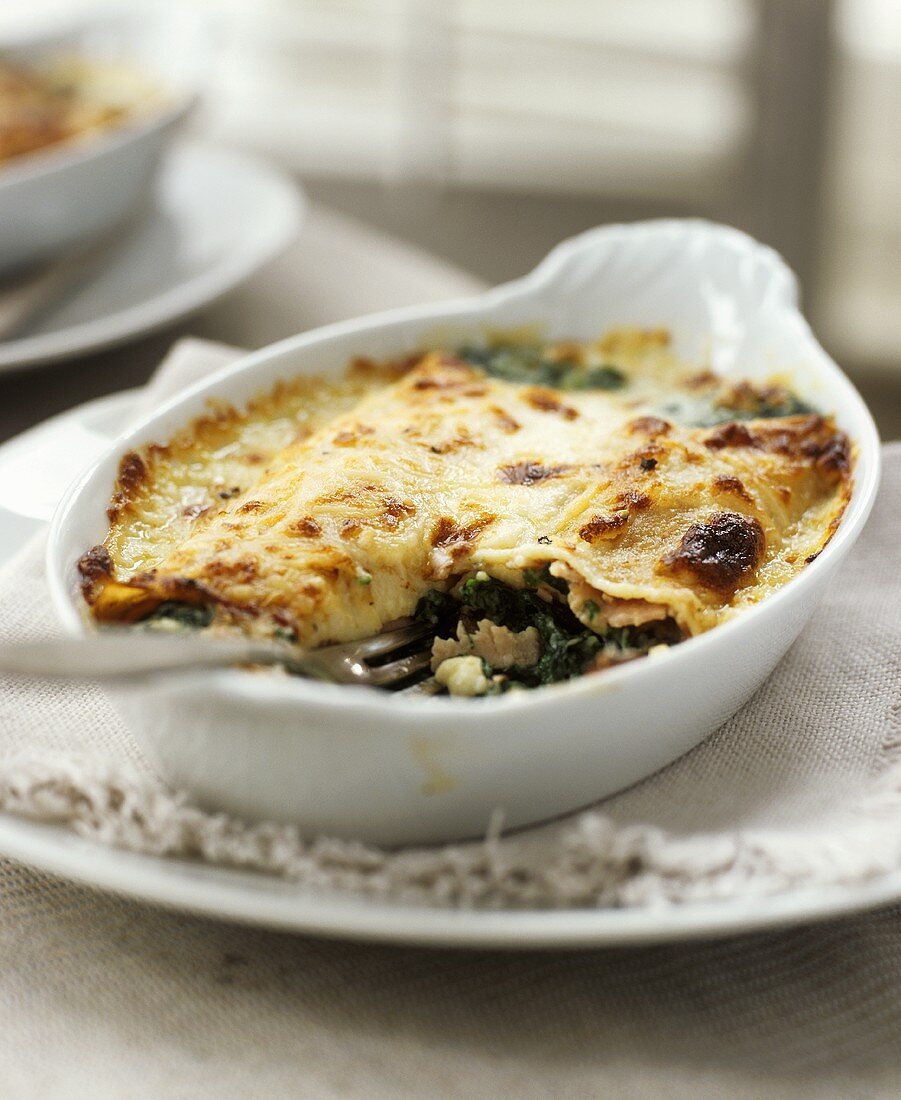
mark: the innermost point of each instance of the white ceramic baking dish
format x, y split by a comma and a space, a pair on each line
65, 196
355, 762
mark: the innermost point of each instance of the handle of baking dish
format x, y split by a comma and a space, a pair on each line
711, 284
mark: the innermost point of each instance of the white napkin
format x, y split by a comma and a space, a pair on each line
801, 788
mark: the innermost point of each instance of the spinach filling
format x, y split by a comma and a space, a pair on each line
764, 410
781, 403
568, 647
527, 363
188, 615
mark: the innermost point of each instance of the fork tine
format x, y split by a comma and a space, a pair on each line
395, 672
381, 644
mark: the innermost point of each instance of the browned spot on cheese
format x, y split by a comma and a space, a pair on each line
647, 458
547, 401
832, 454
242, 570
347, 437
810, 438
702, 380
527, 473
463, 438
394, 511
649, 425
448, 374
603, 527
283, 617
633, 500
505, 421
609, 525
719, 553
95, 566
349, 495
732, 434
391, 514
250, 506
305, 528
734, 486
455, 538
132, 472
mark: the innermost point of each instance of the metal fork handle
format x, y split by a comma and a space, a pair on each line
111, 655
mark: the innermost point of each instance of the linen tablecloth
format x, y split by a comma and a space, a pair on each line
103, 997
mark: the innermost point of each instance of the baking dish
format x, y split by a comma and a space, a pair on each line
393, 769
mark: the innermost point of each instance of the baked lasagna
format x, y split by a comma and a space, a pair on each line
552, 509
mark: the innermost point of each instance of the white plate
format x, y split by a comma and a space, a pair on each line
215, 218
259, 900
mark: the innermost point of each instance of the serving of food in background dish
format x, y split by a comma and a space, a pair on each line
552, 509
86, 115
52, 102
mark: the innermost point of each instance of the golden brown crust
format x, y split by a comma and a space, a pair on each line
454, 537
603, 527
132, 473
721, 553
732, 486
95, 568
652, 426
547, 401
808, 437
340, 528
528, 473
504, 420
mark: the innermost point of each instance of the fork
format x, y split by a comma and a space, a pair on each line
118, 654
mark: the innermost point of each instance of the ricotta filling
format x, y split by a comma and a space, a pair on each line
544, 632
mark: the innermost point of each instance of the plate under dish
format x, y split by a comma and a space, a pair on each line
270, 902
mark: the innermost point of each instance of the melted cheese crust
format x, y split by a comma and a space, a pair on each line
330, 510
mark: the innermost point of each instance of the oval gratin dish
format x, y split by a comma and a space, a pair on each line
392, 769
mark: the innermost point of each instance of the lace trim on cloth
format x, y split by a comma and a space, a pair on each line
590, 861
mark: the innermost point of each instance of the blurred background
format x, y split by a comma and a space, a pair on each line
486, 130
